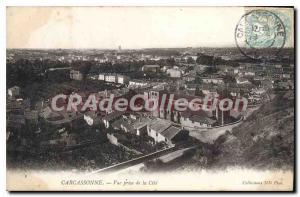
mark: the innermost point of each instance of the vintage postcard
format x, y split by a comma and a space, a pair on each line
150, 99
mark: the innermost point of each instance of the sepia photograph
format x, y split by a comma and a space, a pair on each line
150, 98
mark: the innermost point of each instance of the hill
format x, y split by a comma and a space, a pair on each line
265, 140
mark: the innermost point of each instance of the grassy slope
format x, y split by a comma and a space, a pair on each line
264, 140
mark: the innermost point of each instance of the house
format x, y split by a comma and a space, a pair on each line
163, 131
174, 73
174, 134
112, 139
138, 83
76, 75
15, 120
13, 91
165, 68
249, 73
235, 114
200, 68
191, 57
155, 127
140, 126
112, 78
122, 79
127, 126
286, 76
92, 77
101, 77
258, 78
111, 117
189, 77
137, 126
236, 71
254, 99
91, 118
123, 123
117, 123
258, 91
151, 68
214, 80
208, 89
229, 70
12, 105
197, 119
242, 80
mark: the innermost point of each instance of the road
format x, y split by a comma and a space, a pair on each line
136, 163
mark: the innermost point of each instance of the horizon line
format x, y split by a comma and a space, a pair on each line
124, 49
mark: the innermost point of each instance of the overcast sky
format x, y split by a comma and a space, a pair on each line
144, 27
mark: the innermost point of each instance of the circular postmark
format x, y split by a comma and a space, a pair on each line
260, 34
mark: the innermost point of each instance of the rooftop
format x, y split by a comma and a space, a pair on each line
113, 115
151, 66
159, 125
170, 132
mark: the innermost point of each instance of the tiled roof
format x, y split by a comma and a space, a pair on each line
159, 125
170, 132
